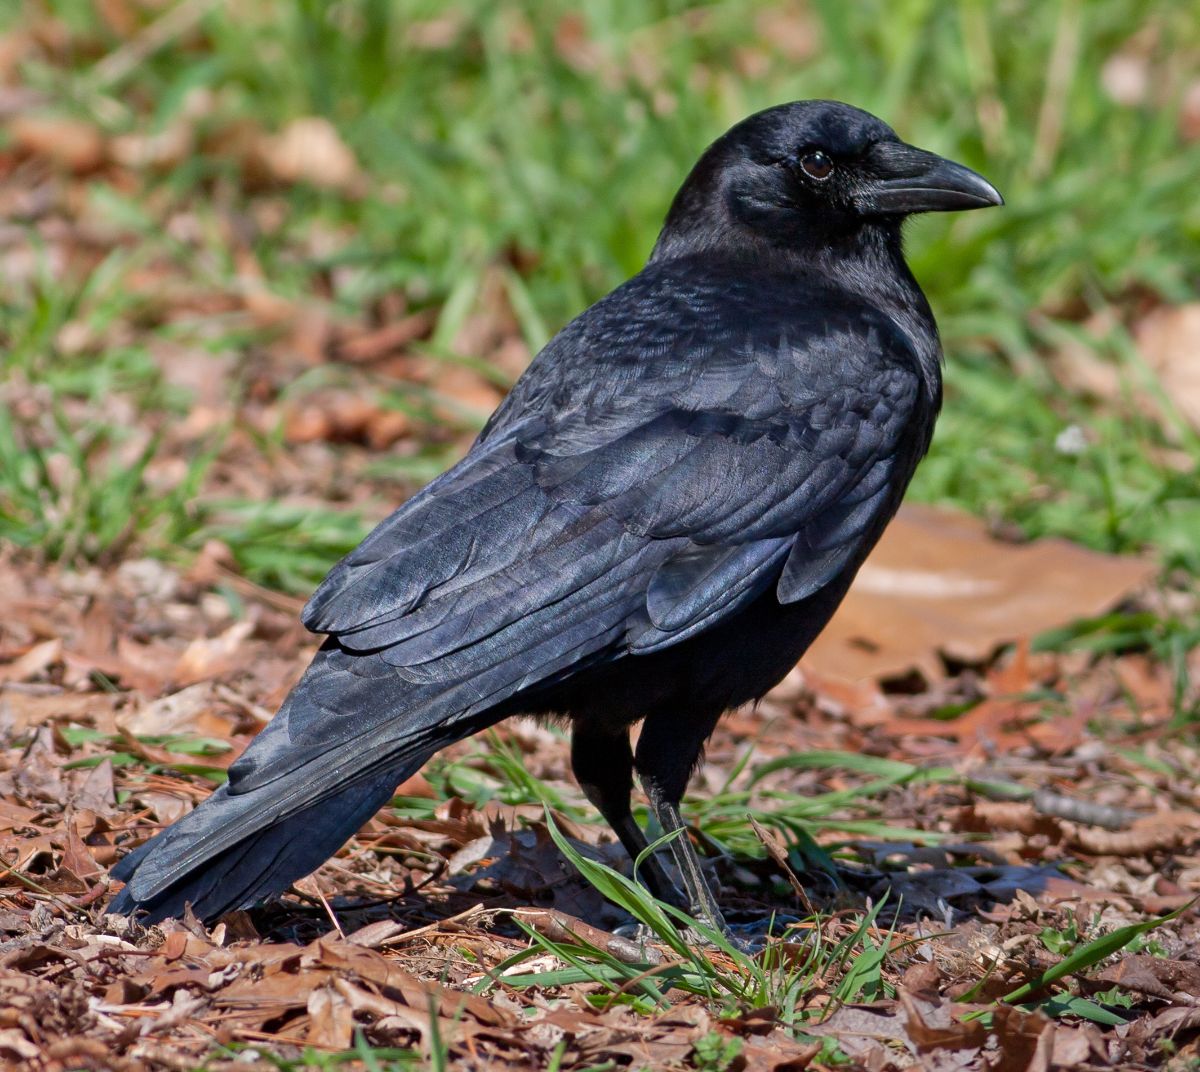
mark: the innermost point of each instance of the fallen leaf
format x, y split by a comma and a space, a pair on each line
1025, 1040
188, 711
330, 1019
463, 392
1157, 977
95, 791
310, 149
71, 144
211, 657
341, 416
1071, 1047
1167, 832
373, 345
33, 662
938, 585
14, 1042
1168, 340
931, 1025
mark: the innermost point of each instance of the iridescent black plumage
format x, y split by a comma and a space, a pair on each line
654, 525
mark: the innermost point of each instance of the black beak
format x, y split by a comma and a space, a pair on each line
912, 180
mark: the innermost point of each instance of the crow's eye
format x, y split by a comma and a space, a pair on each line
816, 165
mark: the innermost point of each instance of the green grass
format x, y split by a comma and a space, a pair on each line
708, 966
490, 138
363, 1056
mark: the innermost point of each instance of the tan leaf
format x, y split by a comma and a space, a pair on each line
343, 416
931, 1026
14, 1042
210, 657
15, 47
1071, 1047
461, 390
309, 149
33, 662
67, 143
1169, 341
181, 712
939, 584
1164, 832
1026, 1040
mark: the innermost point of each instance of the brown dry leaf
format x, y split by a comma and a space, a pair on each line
574, 45
931, 1026
266, 307
861, 1030
211, 657
341, 416
95, 791
185, 712
1014, 816
33, 662
491, 330
77, 859
310, 149
164, 149
144, 667
435, 34
461, 390
1169, 340
1026, 1040
15, 1046
1159, 977
1164, 832
124, 17
15, 46
347, 959
330, 1019
368, 346
14, 816
666, 1042
67, 143
1071, 1047
991, 724
939, 584
39, 775
165, 807
789, 29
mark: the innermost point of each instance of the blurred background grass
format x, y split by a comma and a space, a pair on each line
206, 207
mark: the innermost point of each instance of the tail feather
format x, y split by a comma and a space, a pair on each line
351, 730
265, 861
278, 818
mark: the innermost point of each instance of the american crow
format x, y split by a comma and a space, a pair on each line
653, 526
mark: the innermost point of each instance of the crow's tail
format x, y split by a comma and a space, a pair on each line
264, 862
300, 791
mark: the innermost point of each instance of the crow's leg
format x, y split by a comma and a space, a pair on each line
666, 755
603, 766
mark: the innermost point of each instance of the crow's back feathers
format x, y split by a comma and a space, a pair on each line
697, 443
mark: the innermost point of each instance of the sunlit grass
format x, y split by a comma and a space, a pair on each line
491, 139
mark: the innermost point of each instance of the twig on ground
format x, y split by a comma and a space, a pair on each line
1083, 811
560, 927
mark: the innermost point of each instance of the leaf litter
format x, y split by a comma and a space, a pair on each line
975, 818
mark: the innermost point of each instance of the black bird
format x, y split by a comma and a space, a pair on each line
653, 526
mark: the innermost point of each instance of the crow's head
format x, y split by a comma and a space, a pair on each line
812, 172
